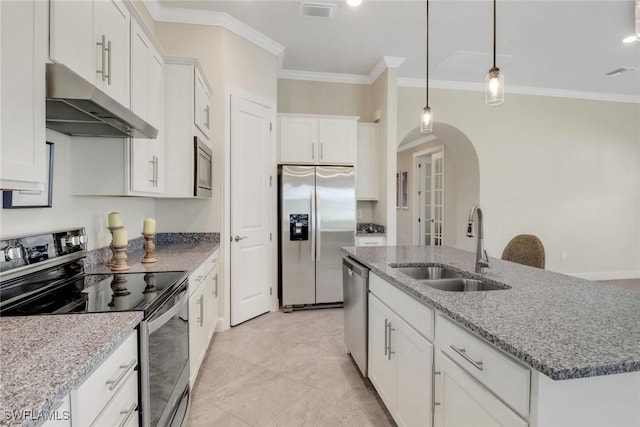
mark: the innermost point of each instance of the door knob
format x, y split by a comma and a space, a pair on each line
238, 238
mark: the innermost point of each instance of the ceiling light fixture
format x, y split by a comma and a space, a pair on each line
635, 37
494, 82
426, 117
354, 3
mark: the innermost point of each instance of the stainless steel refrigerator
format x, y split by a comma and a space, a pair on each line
317, 218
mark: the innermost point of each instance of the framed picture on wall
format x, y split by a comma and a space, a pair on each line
22, 199
405, 189
398, 190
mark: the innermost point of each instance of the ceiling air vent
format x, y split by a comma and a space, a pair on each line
318, 9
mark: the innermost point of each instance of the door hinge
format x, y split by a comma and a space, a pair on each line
418, 219
270, 127
270, 291
270, 180
270, 237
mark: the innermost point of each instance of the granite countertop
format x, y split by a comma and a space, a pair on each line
174, 252
44, 357
366, 233
562, 326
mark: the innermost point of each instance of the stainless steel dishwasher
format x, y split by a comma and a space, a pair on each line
355, 286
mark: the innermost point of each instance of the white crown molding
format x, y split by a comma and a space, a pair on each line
314, 76
160, 13
359, 79
522, 90
384, 63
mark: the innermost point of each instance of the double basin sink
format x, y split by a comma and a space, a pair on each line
446, 279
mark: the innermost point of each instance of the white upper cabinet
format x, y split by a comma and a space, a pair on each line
186, 88
312, 139
92, 38
147, 100
202, 104
23, 42
367, 162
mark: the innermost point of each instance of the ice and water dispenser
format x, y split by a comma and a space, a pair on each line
299, 227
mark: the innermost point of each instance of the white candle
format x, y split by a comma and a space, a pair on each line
115, 220
149, 226
120, 237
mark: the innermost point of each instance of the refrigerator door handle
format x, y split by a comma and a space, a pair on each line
318, 226
312, 220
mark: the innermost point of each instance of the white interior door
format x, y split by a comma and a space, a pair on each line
250, 210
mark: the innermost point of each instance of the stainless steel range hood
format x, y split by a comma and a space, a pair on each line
77, 107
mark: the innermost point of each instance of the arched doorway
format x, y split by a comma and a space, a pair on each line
454, 186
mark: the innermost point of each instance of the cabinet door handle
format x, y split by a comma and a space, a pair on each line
462, 352
201, 302
321, 151
206, 121
103, 45
390, 352
127, 414
155, 171
215, 291
124, 370
313, 151
109, 62
386, 335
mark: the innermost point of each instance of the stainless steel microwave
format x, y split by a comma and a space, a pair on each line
202, 172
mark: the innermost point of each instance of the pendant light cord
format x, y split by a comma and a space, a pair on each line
427, 54
494, 33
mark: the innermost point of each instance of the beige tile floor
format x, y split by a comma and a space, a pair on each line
284, 370
633, 284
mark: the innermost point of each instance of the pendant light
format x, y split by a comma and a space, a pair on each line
426, 117
494, 82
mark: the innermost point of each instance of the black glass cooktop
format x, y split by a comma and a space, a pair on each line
90, 293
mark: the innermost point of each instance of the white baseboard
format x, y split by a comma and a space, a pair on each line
607, 275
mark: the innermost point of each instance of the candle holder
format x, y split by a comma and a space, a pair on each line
120, 257
148, 247
112, 261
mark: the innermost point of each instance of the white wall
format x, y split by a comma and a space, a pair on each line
76, 211
565, 170
343, 99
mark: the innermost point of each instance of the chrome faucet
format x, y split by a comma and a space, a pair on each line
482, 260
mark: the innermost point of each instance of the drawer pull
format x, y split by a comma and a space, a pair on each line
462, 352
128, 413
113, 384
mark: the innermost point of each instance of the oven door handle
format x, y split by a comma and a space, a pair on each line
164, 317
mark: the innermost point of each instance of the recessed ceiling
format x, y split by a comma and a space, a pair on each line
558, 45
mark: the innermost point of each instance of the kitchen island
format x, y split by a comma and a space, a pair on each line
579, 339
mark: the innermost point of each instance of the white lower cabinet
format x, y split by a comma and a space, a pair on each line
203, 312
462, 401
371, 240
109, 396
400, 364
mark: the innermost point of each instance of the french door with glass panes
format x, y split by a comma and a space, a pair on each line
431, 196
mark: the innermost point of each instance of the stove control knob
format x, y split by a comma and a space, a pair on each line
9, 254
73, 241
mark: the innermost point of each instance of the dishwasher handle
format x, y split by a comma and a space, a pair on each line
354, 266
